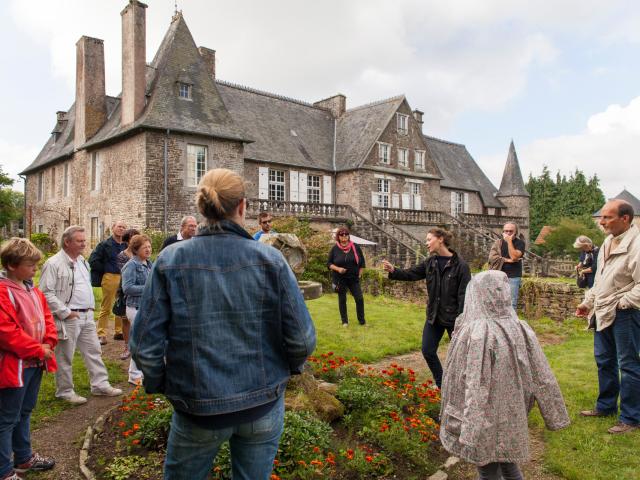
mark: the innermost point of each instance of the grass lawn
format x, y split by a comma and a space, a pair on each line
394, 327
584, 450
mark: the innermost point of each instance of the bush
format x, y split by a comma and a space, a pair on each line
45, 243
560, 240
157, 239
302, 433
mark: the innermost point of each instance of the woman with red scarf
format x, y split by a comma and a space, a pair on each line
346, 263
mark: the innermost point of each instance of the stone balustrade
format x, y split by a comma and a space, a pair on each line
299, 209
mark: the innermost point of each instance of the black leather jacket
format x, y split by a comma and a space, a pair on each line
446, 289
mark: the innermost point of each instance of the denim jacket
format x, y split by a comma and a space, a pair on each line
222, 323
134, 276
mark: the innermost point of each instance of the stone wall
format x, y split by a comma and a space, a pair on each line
538, 298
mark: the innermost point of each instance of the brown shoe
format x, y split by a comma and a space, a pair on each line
103, 339
594, 413
118, 336
622, 427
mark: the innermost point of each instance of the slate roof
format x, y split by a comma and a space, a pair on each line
460, 170
359, 128
627, 197
284, 130
177, 58
512, 184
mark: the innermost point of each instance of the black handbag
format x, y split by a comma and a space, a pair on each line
582, 281
120, 305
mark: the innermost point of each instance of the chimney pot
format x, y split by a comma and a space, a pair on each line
134, 63
91, 103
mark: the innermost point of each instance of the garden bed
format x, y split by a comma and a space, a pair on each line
388, 430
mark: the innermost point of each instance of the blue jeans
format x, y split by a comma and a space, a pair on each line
514, 283
431, 336
191, 449
16, 405
616, 350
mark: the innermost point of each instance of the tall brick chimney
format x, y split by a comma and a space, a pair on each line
209, 57
336, 105
134, 64
91, 103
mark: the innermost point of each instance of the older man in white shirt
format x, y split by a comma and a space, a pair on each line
66, 284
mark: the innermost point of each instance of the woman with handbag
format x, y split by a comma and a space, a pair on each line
346, 263
134, 276
586, 268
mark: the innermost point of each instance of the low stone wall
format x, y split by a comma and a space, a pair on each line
538, 297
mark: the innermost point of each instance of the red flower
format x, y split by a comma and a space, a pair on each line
368, 458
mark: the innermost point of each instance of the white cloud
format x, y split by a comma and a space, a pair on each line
609, 147
15, 158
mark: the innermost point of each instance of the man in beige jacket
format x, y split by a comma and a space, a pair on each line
615, 302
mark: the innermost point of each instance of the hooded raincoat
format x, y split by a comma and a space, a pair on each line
495, 370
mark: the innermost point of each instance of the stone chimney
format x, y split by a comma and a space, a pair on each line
91, 103
417, 114
134, 64
209, 57
337, 105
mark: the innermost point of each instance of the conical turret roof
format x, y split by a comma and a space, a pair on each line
512, 184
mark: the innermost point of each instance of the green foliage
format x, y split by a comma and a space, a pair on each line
44, 242
359, 393
11, 201
302, 433
157, 238
551, 200
560, 240
132, 466
154, 427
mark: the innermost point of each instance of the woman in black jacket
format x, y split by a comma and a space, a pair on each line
346, 263
447, 276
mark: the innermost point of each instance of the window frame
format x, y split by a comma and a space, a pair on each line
419, 154
383, 192
94, 174
40, 193
313, 190
277, 186
458, 204
384, 147
403, 153
197, 161
185, 88
402, 123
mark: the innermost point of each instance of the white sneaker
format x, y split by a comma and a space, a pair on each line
74, 399
107, 391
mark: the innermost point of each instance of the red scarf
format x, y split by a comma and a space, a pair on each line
350, 246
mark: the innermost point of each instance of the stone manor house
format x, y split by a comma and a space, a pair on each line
139, 156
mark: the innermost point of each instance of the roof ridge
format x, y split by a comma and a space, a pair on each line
378, 102
266, 94
444, 141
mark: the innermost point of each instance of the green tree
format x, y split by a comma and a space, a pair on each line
560, 240
11, 201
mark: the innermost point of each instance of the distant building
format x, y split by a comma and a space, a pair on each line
627, 197
139, 156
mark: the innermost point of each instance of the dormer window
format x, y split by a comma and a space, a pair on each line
184, 90
403, 124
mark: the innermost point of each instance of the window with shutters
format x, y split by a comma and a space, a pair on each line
419, 161
382, 194
313, 188
403, 123
384, 152
403, 157
457, 203
196, 164
276, 185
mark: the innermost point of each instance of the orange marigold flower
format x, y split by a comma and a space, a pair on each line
317, 463
136, 426
316, 449
302, 462
136, 442
276, 462
368, 458
274, 477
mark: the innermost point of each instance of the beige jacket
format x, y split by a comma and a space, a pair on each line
617, 280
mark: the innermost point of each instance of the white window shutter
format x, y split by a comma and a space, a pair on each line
406, 201
466, 203
327, 196
302, 187
293, 186
453, 203
263, 183
417, 202
374, 199
395, 201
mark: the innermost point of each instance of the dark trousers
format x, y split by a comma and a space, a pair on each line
499, 471
431, 336
616, 350
16, 405
353, 285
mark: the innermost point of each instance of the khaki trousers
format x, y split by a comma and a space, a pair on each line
110, 283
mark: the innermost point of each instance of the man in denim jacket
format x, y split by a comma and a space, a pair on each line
221, 327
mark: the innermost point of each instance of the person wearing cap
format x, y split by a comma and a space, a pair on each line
588, 259
346, 262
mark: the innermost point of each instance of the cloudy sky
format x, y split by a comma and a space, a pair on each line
561, 78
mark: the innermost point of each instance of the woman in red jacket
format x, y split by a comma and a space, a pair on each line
27, 339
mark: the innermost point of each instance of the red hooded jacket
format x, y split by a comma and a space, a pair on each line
16, 345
